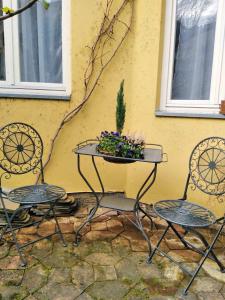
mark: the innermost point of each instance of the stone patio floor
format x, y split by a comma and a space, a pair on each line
109, 263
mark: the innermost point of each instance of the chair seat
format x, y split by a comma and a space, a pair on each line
118, 203
184, 213
32, 194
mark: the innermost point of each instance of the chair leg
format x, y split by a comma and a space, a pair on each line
208, 251
9, 225
196, 271
58, 227
180, 237
45, 215
158, 244
213, 255
10, 218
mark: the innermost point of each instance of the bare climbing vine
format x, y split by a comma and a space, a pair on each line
9, 13
113, 30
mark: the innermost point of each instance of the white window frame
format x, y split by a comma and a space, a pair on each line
12, 86
217, 91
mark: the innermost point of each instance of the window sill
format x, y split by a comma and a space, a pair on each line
161, 113
35, 96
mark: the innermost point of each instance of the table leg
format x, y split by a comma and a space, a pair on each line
142, 191
147, 184
95, 208
140, 227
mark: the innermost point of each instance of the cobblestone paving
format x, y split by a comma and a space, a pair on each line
109, 263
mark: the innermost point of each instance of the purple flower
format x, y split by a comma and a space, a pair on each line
104, 133
129, 153
115, 133
119, 145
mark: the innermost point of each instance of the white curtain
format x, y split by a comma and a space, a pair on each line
40, 43
194, 45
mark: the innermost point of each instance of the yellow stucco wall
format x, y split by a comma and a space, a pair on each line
139, 63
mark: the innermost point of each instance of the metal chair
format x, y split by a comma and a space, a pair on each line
21, 150
207, 174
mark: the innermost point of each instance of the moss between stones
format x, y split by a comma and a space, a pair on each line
127, 281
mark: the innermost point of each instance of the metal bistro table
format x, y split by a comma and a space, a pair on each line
153, 154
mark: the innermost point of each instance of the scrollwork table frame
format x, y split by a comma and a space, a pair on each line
153, 154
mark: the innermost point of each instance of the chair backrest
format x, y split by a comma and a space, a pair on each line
207, 166
21, 149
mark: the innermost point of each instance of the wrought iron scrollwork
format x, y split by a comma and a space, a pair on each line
21, 148
207, 166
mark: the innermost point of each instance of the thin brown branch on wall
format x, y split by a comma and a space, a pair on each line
113, 30
18, 11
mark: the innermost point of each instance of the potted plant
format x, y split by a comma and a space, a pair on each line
114, 143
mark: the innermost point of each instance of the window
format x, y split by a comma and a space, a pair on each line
34, 51
193, 75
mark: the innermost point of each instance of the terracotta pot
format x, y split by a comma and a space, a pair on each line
222, 107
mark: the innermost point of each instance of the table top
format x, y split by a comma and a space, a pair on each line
152, 153
40, 193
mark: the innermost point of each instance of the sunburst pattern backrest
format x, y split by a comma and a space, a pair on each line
207, 166
21, 148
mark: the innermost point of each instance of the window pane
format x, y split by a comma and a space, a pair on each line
194, 46
40, 42
2, 49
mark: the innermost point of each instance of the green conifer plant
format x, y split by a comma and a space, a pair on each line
114, 143
120, 109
